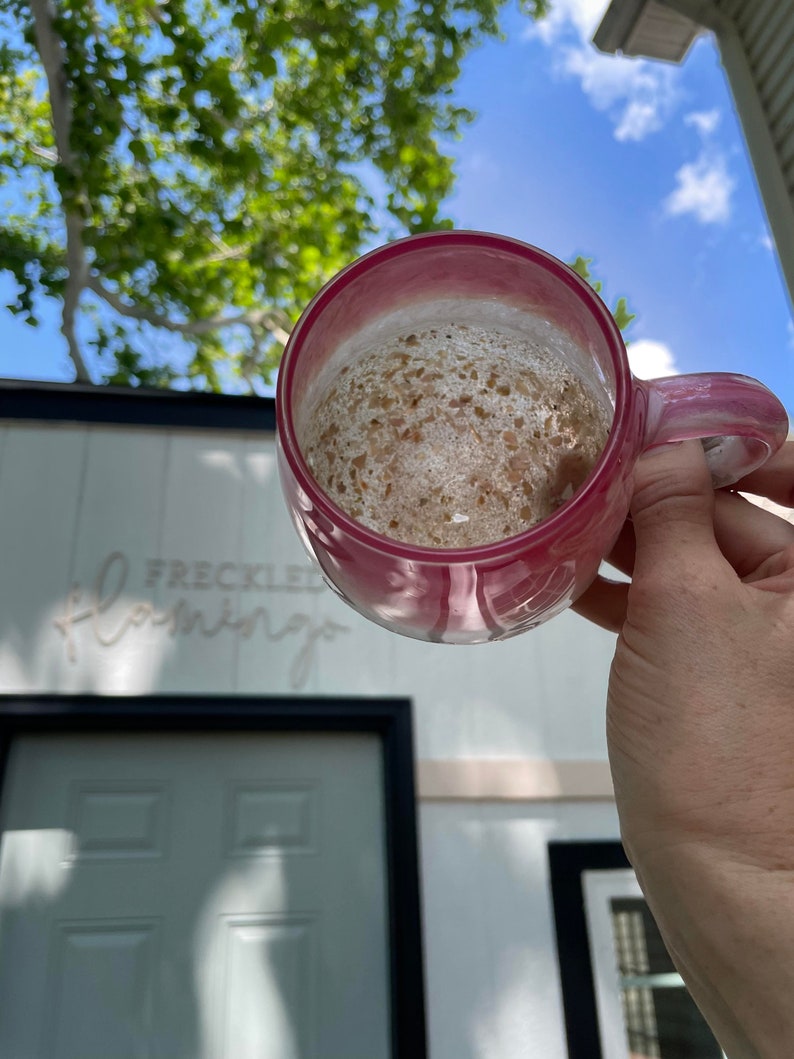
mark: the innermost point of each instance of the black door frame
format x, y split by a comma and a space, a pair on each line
388, 718
568, 861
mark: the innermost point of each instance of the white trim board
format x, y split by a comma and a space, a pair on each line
513, 779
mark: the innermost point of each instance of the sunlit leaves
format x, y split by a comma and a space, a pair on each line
622, 315
581, 267
224, 160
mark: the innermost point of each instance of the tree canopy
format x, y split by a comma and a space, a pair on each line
182, 175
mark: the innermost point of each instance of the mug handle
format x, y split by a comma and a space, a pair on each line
739, 421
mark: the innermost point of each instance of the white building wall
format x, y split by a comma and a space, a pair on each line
123, 539
138, 561
493, 987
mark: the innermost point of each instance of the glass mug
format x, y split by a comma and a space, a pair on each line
496, 590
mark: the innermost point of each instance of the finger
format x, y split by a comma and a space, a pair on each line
775, 479
673, 512
747, 534
604, 603
775, 574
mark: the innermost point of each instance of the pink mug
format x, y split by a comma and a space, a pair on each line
495, 590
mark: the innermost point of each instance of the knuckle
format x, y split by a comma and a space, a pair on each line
655, 503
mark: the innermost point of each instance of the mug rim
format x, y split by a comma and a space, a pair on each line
536, 534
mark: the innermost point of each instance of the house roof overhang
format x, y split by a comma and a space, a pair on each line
647, 28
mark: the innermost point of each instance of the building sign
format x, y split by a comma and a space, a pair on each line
202, 599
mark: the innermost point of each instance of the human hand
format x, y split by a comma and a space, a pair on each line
700, 723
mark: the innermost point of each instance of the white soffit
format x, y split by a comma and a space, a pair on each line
646, 28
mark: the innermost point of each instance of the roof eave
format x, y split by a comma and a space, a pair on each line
646, 28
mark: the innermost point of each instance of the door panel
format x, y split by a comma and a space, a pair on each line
196, 896
255, 1023
107, 969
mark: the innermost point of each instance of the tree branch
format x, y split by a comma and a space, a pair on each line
225, 252
75, 283
50, 49
43, 152
270, 320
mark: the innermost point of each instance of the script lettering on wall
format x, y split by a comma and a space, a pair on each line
199, 604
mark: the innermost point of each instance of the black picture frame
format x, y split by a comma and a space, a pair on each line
567, 863
389, 718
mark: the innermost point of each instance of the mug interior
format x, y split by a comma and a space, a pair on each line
485, 280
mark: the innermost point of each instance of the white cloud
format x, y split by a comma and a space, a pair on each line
705, 121
638, 95
766, 240
703, 188
638, 120
651, 360
583, 15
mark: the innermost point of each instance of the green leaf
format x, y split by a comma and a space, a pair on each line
267, 66
622, 315
225, 158
581, 267
138, 151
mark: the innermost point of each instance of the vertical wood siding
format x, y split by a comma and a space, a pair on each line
731, 8
70, 496
186, 514
766, 30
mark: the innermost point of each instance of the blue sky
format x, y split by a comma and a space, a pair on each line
639, 165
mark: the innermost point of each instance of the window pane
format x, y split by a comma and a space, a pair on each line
662, 1021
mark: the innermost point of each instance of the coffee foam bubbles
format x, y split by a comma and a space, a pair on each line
469, 426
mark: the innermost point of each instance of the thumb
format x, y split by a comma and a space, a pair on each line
673, 509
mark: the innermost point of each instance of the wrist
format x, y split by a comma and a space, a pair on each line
729, 927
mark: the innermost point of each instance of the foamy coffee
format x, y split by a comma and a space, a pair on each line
451, 434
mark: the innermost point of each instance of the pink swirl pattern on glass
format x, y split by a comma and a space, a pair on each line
500, 589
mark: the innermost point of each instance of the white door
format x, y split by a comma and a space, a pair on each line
218, 896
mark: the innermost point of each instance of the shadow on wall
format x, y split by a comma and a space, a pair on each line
491, 948
146, 561
223, 922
